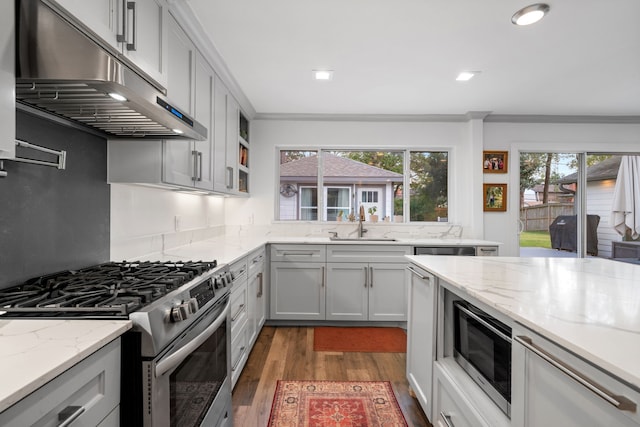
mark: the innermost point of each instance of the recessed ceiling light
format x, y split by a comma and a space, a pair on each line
117, 96
323, 74
466, 75
530, 14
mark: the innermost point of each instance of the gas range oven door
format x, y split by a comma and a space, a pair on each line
188, 384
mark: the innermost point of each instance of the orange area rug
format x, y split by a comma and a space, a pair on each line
371, 340
335, 404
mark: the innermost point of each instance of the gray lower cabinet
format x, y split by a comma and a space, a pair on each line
297, 291
421, 335
553, 387
88, 394
366, 291
256, 295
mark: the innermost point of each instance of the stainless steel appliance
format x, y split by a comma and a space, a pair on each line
175, 364
482, 347
64, 69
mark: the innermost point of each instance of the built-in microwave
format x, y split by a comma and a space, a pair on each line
482, 347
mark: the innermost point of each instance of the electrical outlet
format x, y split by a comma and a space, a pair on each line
177, 222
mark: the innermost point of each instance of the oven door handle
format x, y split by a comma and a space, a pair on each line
175, 359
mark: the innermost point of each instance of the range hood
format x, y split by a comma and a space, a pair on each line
61, 70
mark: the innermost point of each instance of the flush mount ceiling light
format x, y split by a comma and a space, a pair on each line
323, 74
466, 75
530, 14
117, 96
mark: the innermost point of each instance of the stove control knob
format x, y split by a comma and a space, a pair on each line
217, 282
193, 305
179, 313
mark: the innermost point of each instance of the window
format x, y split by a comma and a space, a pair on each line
338, 202
308, 203
372, 179
428, 186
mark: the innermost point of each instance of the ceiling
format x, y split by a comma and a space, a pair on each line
402, 56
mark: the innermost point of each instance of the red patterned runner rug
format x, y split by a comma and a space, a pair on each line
335, 404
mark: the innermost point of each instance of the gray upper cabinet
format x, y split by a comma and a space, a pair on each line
226, 124
7, 82
135, 29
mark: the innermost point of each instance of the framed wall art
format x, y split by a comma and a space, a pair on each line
495, 197
494, 161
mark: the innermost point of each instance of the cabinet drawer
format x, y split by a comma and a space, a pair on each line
552, 384
256, 262
90, 388
367, 253
238, 309
458, 399
299, 253
239, 273
239, 354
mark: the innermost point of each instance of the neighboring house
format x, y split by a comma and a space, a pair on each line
601, 180
347, 185
556, 195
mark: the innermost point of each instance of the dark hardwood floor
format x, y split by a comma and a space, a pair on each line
287, 353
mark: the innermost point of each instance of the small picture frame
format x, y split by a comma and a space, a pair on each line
495, 161
495, 197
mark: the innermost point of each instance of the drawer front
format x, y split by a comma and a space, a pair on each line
368, 253
239, 309
299, 253
90, 390
449, 408
551, 383
256, 262
239, 271
239, 354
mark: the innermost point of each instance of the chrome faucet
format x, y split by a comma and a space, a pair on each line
361, 230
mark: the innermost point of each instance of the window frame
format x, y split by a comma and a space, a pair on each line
406, 183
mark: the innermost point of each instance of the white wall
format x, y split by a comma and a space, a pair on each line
266, 135
544, 137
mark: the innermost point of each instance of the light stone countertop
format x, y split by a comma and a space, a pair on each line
35, 351
590, 306
226, 249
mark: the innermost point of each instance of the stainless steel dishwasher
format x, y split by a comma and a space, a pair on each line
456, 250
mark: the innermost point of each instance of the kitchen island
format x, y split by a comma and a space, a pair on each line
587, 310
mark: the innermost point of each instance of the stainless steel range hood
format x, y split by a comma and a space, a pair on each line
61, 70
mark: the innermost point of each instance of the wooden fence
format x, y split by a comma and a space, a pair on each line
538, 218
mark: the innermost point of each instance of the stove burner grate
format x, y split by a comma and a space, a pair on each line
112, 289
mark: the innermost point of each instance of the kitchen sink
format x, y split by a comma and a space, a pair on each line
362, 239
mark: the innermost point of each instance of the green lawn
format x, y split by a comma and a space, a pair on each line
535, 239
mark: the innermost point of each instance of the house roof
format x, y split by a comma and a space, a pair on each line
336, 168
606, 169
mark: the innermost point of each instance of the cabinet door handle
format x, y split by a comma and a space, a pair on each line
447, 419
366, 277
199, 155
297, 253
238, 313
413, 271
371, 277
131, 6
194, 164
229, 177
323, 276
122, 36
620, 402
260, 286
69, 415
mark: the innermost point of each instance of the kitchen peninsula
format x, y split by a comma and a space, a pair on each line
582, 313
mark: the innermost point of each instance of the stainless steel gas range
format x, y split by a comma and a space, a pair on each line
175, 362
